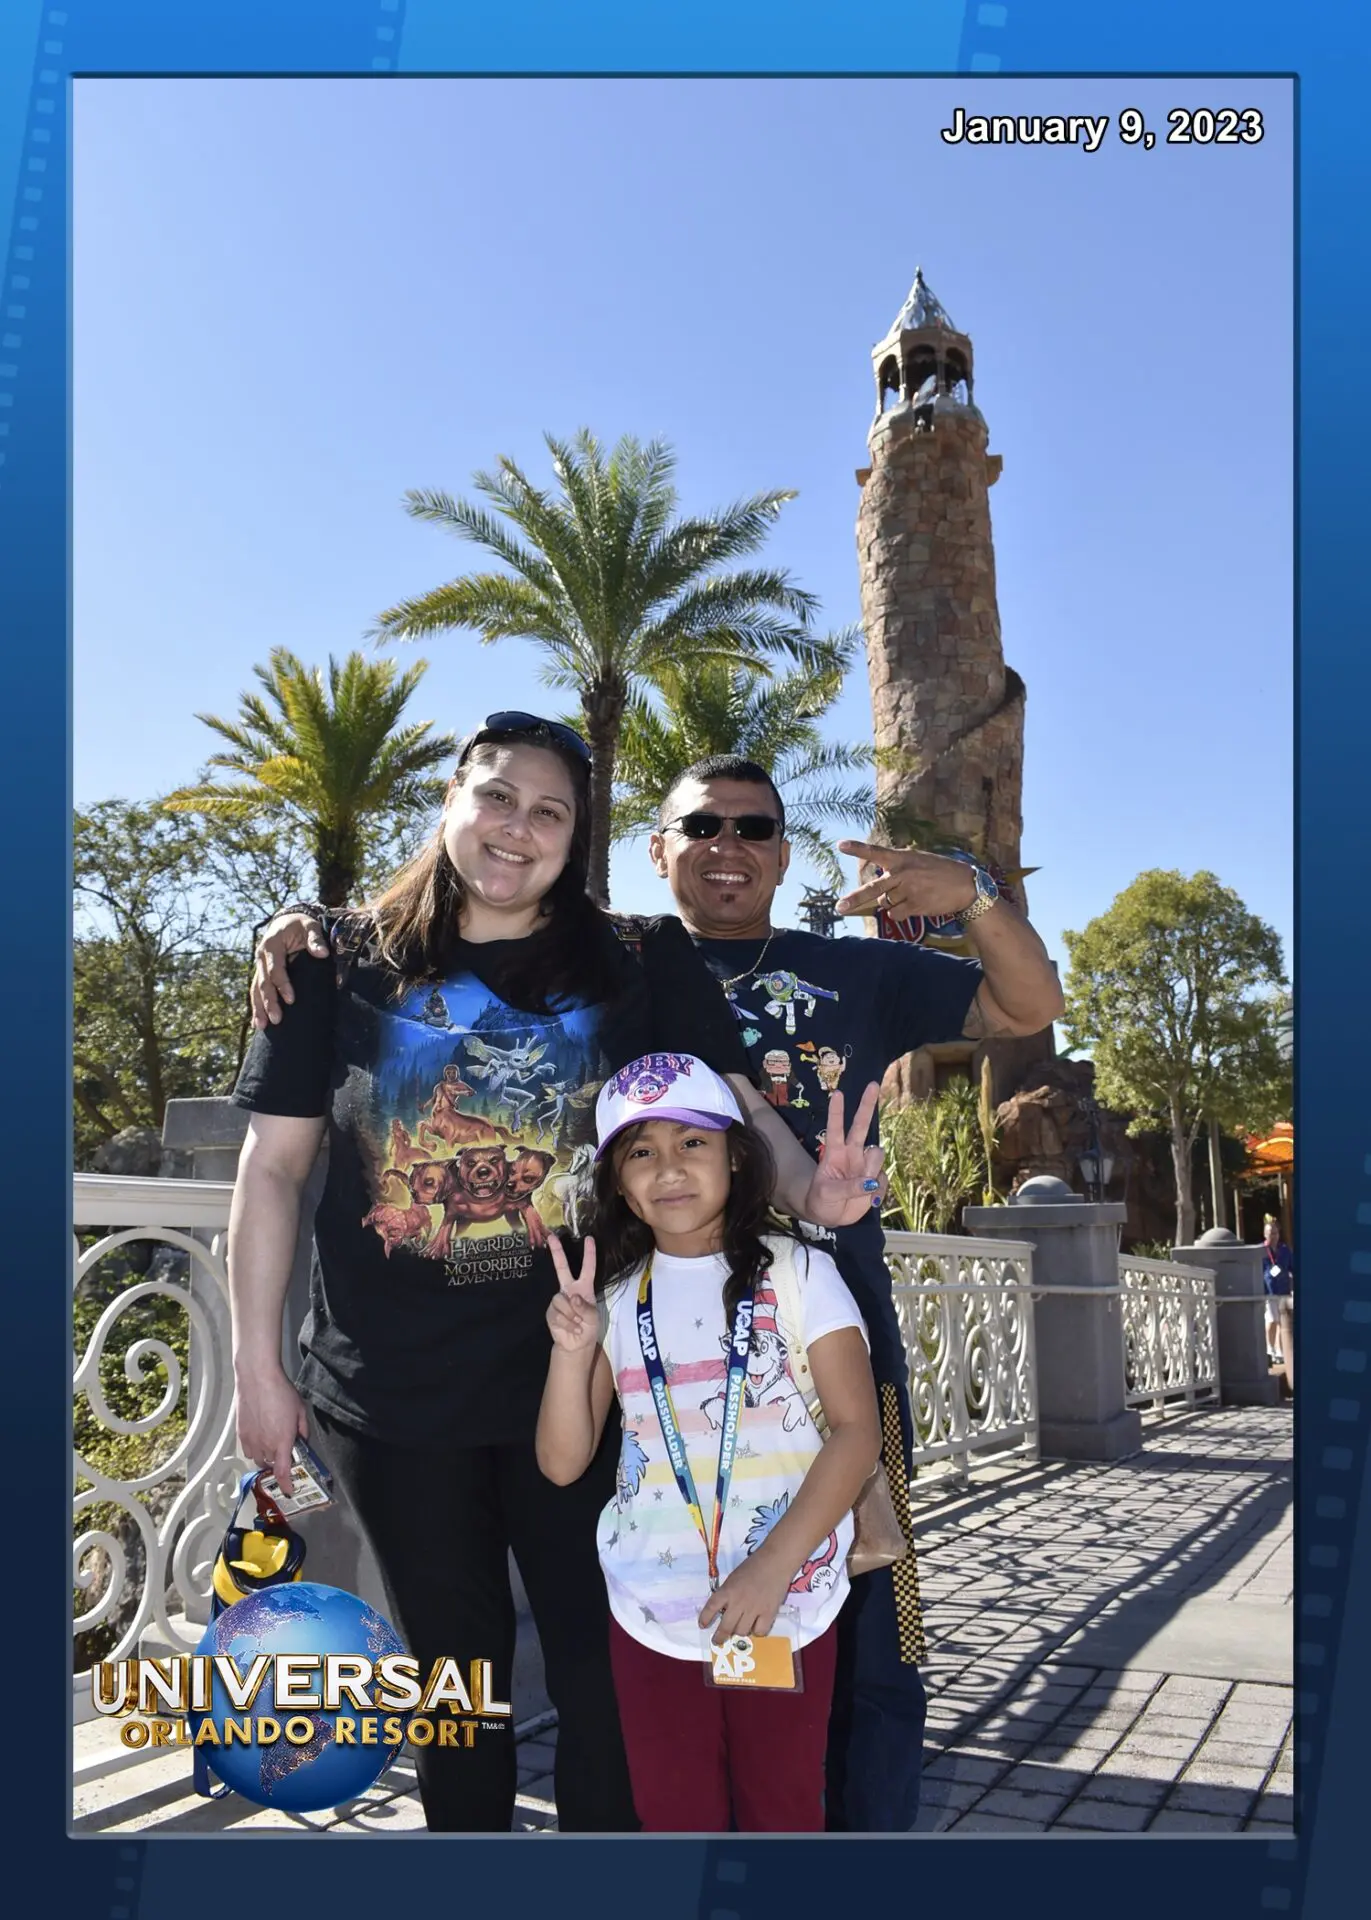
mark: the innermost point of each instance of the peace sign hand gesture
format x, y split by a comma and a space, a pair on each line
848, 1181
571, 1317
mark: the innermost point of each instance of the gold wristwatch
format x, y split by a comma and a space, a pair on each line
987, 893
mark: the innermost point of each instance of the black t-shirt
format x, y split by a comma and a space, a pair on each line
457, 1128
836, 1013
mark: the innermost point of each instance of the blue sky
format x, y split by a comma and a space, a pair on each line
295, 299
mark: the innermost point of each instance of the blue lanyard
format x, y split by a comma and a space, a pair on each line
735, 1386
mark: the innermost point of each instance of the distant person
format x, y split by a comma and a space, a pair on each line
1278, 1278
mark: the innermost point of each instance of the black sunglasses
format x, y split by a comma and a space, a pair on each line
496, 724
708, 826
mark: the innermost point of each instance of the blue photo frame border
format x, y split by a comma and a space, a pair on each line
1326, 48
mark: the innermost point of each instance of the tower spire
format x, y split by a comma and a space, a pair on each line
944, 703
923, 308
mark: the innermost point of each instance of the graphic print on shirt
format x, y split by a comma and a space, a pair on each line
768, 1382
477, 1127
785, 991
825, 1063
632, 1466
819, 1573
652, 1550
782, 1088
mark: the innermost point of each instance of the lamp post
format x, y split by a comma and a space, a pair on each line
1097, 1166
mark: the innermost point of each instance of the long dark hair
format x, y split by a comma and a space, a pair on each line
623, 1241
416, 921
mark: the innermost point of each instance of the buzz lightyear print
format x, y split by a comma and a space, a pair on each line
785, 991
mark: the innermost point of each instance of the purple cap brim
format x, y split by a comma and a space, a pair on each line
710, 1122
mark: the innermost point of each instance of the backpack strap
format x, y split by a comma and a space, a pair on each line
785, 1284
630, 930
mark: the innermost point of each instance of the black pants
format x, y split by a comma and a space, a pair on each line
441, 1525
876, 1733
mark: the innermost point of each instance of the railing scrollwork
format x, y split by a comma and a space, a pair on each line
149, 1568
965, 1312
1170, 1332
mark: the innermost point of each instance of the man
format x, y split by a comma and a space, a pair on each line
816, 1014
848, 1008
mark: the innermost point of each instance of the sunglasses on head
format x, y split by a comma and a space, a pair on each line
708, 826
511, 721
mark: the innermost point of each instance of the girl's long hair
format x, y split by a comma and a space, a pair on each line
415, 922
623, 1241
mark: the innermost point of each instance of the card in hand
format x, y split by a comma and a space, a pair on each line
762, 1661
311, 1483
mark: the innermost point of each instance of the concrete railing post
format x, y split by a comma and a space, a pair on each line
211, 1131
1078, 1321
1245, 1376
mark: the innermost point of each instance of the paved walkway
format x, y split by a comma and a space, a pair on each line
1110, 1650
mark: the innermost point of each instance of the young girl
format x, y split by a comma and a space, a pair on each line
731, 1523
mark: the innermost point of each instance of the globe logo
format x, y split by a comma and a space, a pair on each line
297, 1775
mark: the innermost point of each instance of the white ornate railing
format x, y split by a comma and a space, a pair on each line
1170, 1333
965, 1310
152, 1562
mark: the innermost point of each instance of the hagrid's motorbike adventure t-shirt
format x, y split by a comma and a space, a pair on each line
821, 1014
460, 1130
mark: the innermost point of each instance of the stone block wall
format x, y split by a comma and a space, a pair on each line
941, 694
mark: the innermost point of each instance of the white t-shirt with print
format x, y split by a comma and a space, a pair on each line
654, 1559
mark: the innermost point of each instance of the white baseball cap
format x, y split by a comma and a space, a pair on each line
664, 1086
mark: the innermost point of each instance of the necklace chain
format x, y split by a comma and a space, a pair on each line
754, 968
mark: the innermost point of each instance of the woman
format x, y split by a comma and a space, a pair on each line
452, 1052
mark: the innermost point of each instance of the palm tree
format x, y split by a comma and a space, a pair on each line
611, 585
721, 708
332, 757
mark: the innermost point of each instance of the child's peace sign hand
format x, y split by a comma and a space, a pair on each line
571, 1317
582, 1285
848, 1182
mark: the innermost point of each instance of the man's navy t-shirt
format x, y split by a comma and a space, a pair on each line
836, 1013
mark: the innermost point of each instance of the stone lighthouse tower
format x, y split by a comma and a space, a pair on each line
947, 710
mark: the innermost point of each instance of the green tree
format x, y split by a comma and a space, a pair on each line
1172, 991
615, 589
718, 708
1255, 1084
328, 754
159, 993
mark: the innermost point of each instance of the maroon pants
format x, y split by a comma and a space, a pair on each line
695, 1753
